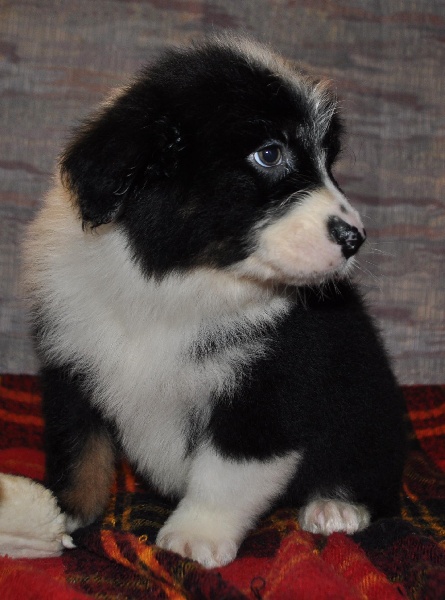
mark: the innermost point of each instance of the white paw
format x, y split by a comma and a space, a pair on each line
207, 535
326, 516
208, 551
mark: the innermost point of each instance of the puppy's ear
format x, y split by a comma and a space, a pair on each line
115, 155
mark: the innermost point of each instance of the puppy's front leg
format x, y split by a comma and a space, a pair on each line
223, 500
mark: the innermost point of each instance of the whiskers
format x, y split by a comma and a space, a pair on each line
370, 271
368, 274
373, 248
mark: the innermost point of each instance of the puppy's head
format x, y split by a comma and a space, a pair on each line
219, 155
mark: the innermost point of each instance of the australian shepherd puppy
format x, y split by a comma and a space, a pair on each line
192, 306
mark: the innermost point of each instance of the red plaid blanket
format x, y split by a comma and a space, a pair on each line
116, 559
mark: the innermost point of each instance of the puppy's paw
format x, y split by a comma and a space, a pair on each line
326, 516
210, 552
208, 535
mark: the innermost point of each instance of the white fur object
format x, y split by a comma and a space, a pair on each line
31, 523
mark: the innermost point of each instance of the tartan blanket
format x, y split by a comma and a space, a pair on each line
116, 559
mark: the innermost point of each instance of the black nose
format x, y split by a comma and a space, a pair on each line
347, 236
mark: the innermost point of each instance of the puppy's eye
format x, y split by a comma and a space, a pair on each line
271, 156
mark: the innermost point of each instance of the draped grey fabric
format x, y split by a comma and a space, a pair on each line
387, 62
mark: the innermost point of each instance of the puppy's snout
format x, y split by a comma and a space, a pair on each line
347, 236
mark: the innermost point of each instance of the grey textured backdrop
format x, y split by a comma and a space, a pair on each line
387, 61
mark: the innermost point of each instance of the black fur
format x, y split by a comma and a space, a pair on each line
188, 164
326, 388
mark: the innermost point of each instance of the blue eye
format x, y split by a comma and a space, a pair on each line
271, 156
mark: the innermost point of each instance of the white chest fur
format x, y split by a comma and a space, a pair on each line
136, 336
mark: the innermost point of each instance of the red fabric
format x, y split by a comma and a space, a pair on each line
392, 559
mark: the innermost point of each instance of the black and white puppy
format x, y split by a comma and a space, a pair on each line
192, 307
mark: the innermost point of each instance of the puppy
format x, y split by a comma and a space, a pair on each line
191, 301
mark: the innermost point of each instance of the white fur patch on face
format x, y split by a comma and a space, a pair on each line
296, 248
222, 502
326, 516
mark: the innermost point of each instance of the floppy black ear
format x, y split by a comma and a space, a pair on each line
113, 155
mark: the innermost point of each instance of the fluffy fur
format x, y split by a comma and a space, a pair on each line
31, 523
191, 304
